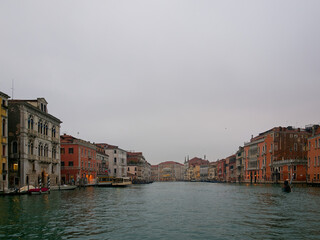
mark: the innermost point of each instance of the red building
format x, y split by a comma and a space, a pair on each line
78, 161
314, 155
197, 162
276, 155
221, 170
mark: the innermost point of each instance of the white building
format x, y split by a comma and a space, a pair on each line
117, 160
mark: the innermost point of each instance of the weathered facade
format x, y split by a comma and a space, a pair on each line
117, 160
314, 155
138, 168
34, 143
4, 141
277, 155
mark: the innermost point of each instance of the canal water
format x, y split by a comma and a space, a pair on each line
174, 210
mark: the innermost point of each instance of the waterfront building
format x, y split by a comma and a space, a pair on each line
240, 165
155, 173
34, 143
212, 171
221, 170
78, 161
4, 141
276, 155
204, 172
314, 155
117, 160
138, 168
171, 171
194, 169
231, 168
102, 161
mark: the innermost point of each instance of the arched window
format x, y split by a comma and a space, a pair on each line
46, 129
53, 132
45, 150
30, 122
41, 128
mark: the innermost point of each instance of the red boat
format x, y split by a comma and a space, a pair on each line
37, 191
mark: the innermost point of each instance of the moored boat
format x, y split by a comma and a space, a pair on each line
104, 181
121, 182
63, 187
38, 190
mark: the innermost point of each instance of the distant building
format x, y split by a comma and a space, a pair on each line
171, 171
34, 143
4, 141
138, 168
221, 170
231, 168
155, 177
212, 171
117, 160
197, 169
240, 165
314, 155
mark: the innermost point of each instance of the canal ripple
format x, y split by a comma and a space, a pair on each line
164, 211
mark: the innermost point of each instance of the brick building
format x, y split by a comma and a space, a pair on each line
276, 155
78, 161
314, 155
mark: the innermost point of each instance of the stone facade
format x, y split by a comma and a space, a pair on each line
34, 144
4, 141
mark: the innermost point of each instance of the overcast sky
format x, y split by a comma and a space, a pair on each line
168, 78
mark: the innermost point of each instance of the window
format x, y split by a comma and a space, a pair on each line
115, 170
53, 132
318, 161
128, 169
54, 153
70, 164
315, 161
3, 127
3, 150
62, 151
316, 143
309, 162
30, 122
295, 147
115, 160
291, 135
70, 150
115, 151
62, 164
294, 168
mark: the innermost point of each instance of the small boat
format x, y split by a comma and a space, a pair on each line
63, 187
38, 190
121, 182
104, 181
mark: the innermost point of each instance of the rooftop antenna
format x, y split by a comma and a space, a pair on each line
12, 88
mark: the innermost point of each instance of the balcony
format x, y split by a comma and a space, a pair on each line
32, 133
32, 157
43, 159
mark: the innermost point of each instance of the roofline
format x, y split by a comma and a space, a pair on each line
2, 94
23, 102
